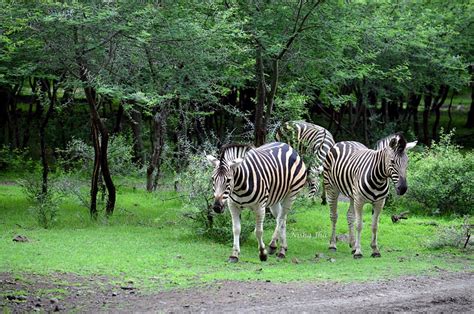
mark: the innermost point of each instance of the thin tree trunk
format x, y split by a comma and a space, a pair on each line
100, 138
159, 132
414, 103
470, 114
118, 120
95, 171
99, 135
136, 125
426, 114
13, 116
46, 89
443, 93
260, 132
449, 109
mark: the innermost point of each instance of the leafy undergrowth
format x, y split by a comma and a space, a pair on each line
149, 242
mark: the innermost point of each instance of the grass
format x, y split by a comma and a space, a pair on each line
149, 242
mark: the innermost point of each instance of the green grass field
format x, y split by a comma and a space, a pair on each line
149, 242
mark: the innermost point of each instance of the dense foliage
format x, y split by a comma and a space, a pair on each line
149, 81
441, 178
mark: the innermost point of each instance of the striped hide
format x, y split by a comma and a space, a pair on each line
313, 142
363, 176
268, 176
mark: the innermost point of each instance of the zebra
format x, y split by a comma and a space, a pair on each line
363, 175
313, 142
268, 176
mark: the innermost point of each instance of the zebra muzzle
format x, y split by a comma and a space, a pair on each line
401, 186
218, 207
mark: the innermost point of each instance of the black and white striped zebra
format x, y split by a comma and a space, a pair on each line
268, 176
313, 142
363, 175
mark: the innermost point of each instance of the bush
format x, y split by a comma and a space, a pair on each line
16, 160
440, 178
45, 205
453, 236
79, 156
196, 188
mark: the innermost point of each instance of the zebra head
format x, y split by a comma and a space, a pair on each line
223, 180
397, 161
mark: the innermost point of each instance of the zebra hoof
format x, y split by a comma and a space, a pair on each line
357, 256
263, 257
233, 259
280, 256
332, 249
272, 250
376, 254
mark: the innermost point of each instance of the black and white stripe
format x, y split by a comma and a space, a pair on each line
313, 142
363, 175
268, 176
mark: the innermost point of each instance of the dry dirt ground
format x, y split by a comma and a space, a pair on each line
444, 292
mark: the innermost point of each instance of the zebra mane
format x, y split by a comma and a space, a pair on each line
235, 150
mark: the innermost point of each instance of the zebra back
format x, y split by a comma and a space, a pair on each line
311, 140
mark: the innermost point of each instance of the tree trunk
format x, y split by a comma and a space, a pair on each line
12, 116
443, 93
46, 89
100, 137
118, 120
414, 102
260, 132
159, 132
136, 125
384, 110
470, 115
449, 110
426, 114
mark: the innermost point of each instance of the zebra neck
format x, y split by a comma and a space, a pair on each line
381, 165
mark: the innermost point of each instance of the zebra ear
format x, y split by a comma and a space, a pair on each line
411, 145
213, 160
235, 163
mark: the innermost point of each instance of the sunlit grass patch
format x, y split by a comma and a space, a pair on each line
150, 243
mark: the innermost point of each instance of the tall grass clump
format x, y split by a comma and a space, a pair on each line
441, 178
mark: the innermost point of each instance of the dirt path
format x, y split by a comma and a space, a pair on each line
447, 292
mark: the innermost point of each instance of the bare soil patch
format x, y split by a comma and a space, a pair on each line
445, 292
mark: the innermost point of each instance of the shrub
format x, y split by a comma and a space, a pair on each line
45, 205
440, 178
196, 187
79, 156
16, 160
452, 236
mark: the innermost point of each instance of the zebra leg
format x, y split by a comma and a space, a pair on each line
332, 200
260, 213
377, 209
286, 205
276, 211
350, 224
235, 213
323, 196
358, 206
